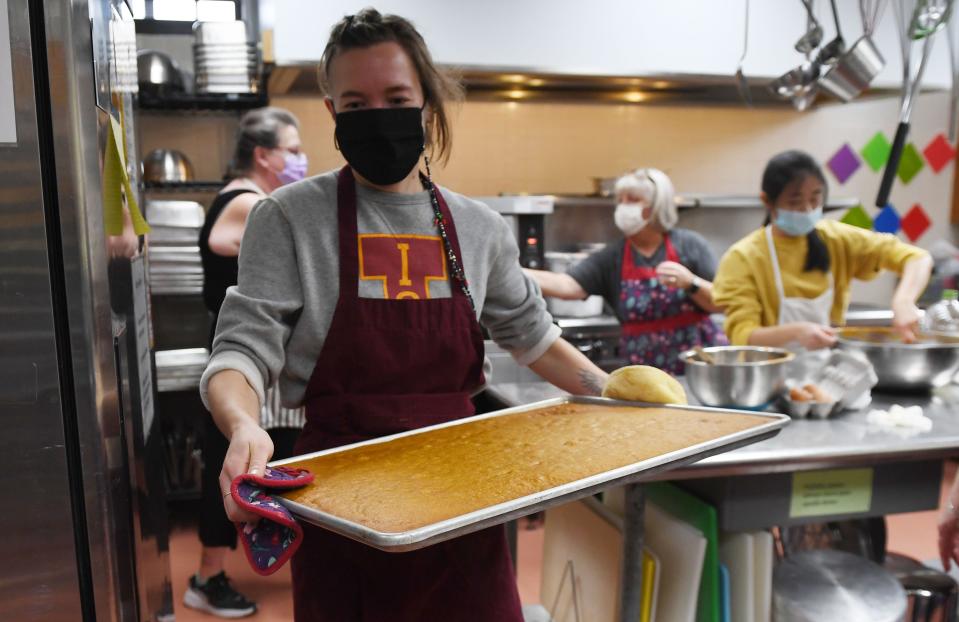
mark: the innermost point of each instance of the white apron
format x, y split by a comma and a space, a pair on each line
799, 309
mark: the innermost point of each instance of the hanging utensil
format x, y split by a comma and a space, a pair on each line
855, 70
741, 81
927, 19
829, 54
813, 36
799, 85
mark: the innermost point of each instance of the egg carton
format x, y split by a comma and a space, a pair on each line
846, 376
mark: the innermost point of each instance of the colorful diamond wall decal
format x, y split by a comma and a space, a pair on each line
887, 221
857, 217
910, 164
844, 163
876, 151
915, 222
939, 153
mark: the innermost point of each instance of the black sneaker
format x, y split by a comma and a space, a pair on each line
217, 597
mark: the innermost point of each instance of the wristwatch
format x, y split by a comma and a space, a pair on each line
693, 286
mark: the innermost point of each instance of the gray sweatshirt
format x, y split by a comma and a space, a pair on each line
274, 322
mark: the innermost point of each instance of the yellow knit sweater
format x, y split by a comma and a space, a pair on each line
745, 284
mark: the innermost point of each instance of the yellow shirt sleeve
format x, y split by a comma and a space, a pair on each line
867, 253
735, 290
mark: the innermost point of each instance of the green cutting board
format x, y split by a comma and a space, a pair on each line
701, 515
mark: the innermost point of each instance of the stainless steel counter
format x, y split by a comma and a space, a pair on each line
812, 444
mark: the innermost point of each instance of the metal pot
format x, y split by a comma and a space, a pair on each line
737, 376
932, 362
834, 585
157, 73
854, 71
166, 166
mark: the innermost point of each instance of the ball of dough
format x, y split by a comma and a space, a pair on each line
641, 383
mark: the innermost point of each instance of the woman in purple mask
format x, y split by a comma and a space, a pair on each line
267, 155
363, 291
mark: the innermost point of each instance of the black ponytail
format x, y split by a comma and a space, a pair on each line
781, 171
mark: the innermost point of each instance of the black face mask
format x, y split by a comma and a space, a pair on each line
381, 144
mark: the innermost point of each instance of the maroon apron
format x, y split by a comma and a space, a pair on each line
389, 366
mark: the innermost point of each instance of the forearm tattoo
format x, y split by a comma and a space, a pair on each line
591, 383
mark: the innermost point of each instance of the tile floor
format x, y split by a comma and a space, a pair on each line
912, 534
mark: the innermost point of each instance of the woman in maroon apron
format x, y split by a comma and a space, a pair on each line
661, 294
388, 364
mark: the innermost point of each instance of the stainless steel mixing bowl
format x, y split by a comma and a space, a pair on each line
166, 166
932, 362
158, 73
738, 376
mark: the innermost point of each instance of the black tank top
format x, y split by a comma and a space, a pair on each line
219, 272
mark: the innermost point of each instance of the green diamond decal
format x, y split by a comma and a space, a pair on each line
910, 164
876, 151
857, 217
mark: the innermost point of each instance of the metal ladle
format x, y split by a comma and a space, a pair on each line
741, 81
813, 37
928, 17
830, 53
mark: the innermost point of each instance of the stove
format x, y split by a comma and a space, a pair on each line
597, 337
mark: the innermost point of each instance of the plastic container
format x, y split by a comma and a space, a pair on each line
943, 317
844, 375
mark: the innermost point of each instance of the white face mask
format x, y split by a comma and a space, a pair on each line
629, 218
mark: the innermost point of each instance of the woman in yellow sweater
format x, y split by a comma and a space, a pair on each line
787, 284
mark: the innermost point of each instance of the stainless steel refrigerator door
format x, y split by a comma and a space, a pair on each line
71, 529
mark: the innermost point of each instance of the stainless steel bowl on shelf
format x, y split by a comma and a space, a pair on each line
736, 376
929, 363
166, 166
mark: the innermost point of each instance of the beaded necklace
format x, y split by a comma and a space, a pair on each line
440, 223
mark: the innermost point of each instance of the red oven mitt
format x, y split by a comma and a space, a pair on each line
274, 538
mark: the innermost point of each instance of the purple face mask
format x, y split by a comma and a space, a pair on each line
294, 168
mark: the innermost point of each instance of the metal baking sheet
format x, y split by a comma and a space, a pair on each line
503, 512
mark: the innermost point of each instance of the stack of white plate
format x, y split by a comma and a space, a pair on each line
176, 268
223, 60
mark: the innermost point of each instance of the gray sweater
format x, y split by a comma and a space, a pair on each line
274, 322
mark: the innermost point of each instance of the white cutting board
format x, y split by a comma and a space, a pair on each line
736, 553
763, 560
574, 532
681, 549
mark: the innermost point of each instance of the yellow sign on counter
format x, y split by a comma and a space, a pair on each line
831, 493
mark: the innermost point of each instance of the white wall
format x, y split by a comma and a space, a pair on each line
601, 37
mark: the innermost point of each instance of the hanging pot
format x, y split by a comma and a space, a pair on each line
854, 71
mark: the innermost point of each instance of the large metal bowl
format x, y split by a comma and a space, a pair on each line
738, 376
157, 73
166, 166
932, 362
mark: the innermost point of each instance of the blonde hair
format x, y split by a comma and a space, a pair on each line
369, 27
655, 188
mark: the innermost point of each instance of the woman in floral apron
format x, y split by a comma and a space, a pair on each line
657, 279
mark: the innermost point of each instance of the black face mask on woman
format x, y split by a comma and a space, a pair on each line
381, 144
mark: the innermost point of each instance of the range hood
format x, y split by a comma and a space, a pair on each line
505, 85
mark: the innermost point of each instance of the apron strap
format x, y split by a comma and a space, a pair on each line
671, 254
775, 263
346, 221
